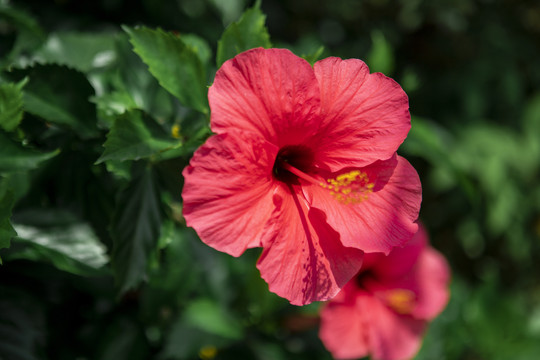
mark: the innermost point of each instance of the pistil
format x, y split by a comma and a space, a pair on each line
348, 188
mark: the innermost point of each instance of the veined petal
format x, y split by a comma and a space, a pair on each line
228, 191
364, 117
387, 216
303, 259
271, 92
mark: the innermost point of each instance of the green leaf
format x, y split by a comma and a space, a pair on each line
175, 65
134, 136
29, 33
7, 200
15, 157
428, 140
187, 341
11, 105
381, 56
22, 20
60, 96
207, 315
199, 46
73, 248
247, 33
22, 324
314, 56
136, 228
531, 124
531, 116
81, 51
120, 169
114, 103
137, 83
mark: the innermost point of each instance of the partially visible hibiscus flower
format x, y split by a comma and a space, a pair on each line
304, 165
384, 310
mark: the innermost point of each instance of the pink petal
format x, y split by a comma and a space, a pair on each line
271, 92
344, 328
432, 276
303, 259
356, 324
228, 191
387, 218
365, 117
392, 336
401, 260
417, 268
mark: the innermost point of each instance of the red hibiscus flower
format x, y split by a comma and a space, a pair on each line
384, 310
303, 164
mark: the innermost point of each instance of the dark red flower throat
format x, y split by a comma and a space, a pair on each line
299, 157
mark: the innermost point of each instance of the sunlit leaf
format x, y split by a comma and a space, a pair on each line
11, 105
199, 46
134, 136
115, 103
247, 33
175, 65
74, 248
138, 84
136, 229
59, 238
81, 51
15, 157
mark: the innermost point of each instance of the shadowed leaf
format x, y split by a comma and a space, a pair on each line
136, 229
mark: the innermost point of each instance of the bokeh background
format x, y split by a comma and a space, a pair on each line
472, 72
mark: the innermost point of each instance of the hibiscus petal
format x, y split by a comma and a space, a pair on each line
365, 117
401, 260
344, 329
432, 277
228, 191
271, 92
392, 336
303, 259
386, 218
426, 279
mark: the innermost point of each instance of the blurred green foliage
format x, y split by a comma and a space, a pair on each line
103, 102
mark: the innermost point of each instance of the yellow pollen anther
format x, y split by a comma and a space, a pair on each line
350, 188
175, 131
207, 352
401, 300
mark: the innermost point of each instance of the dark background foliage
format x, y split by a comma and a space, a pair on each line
97, 261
